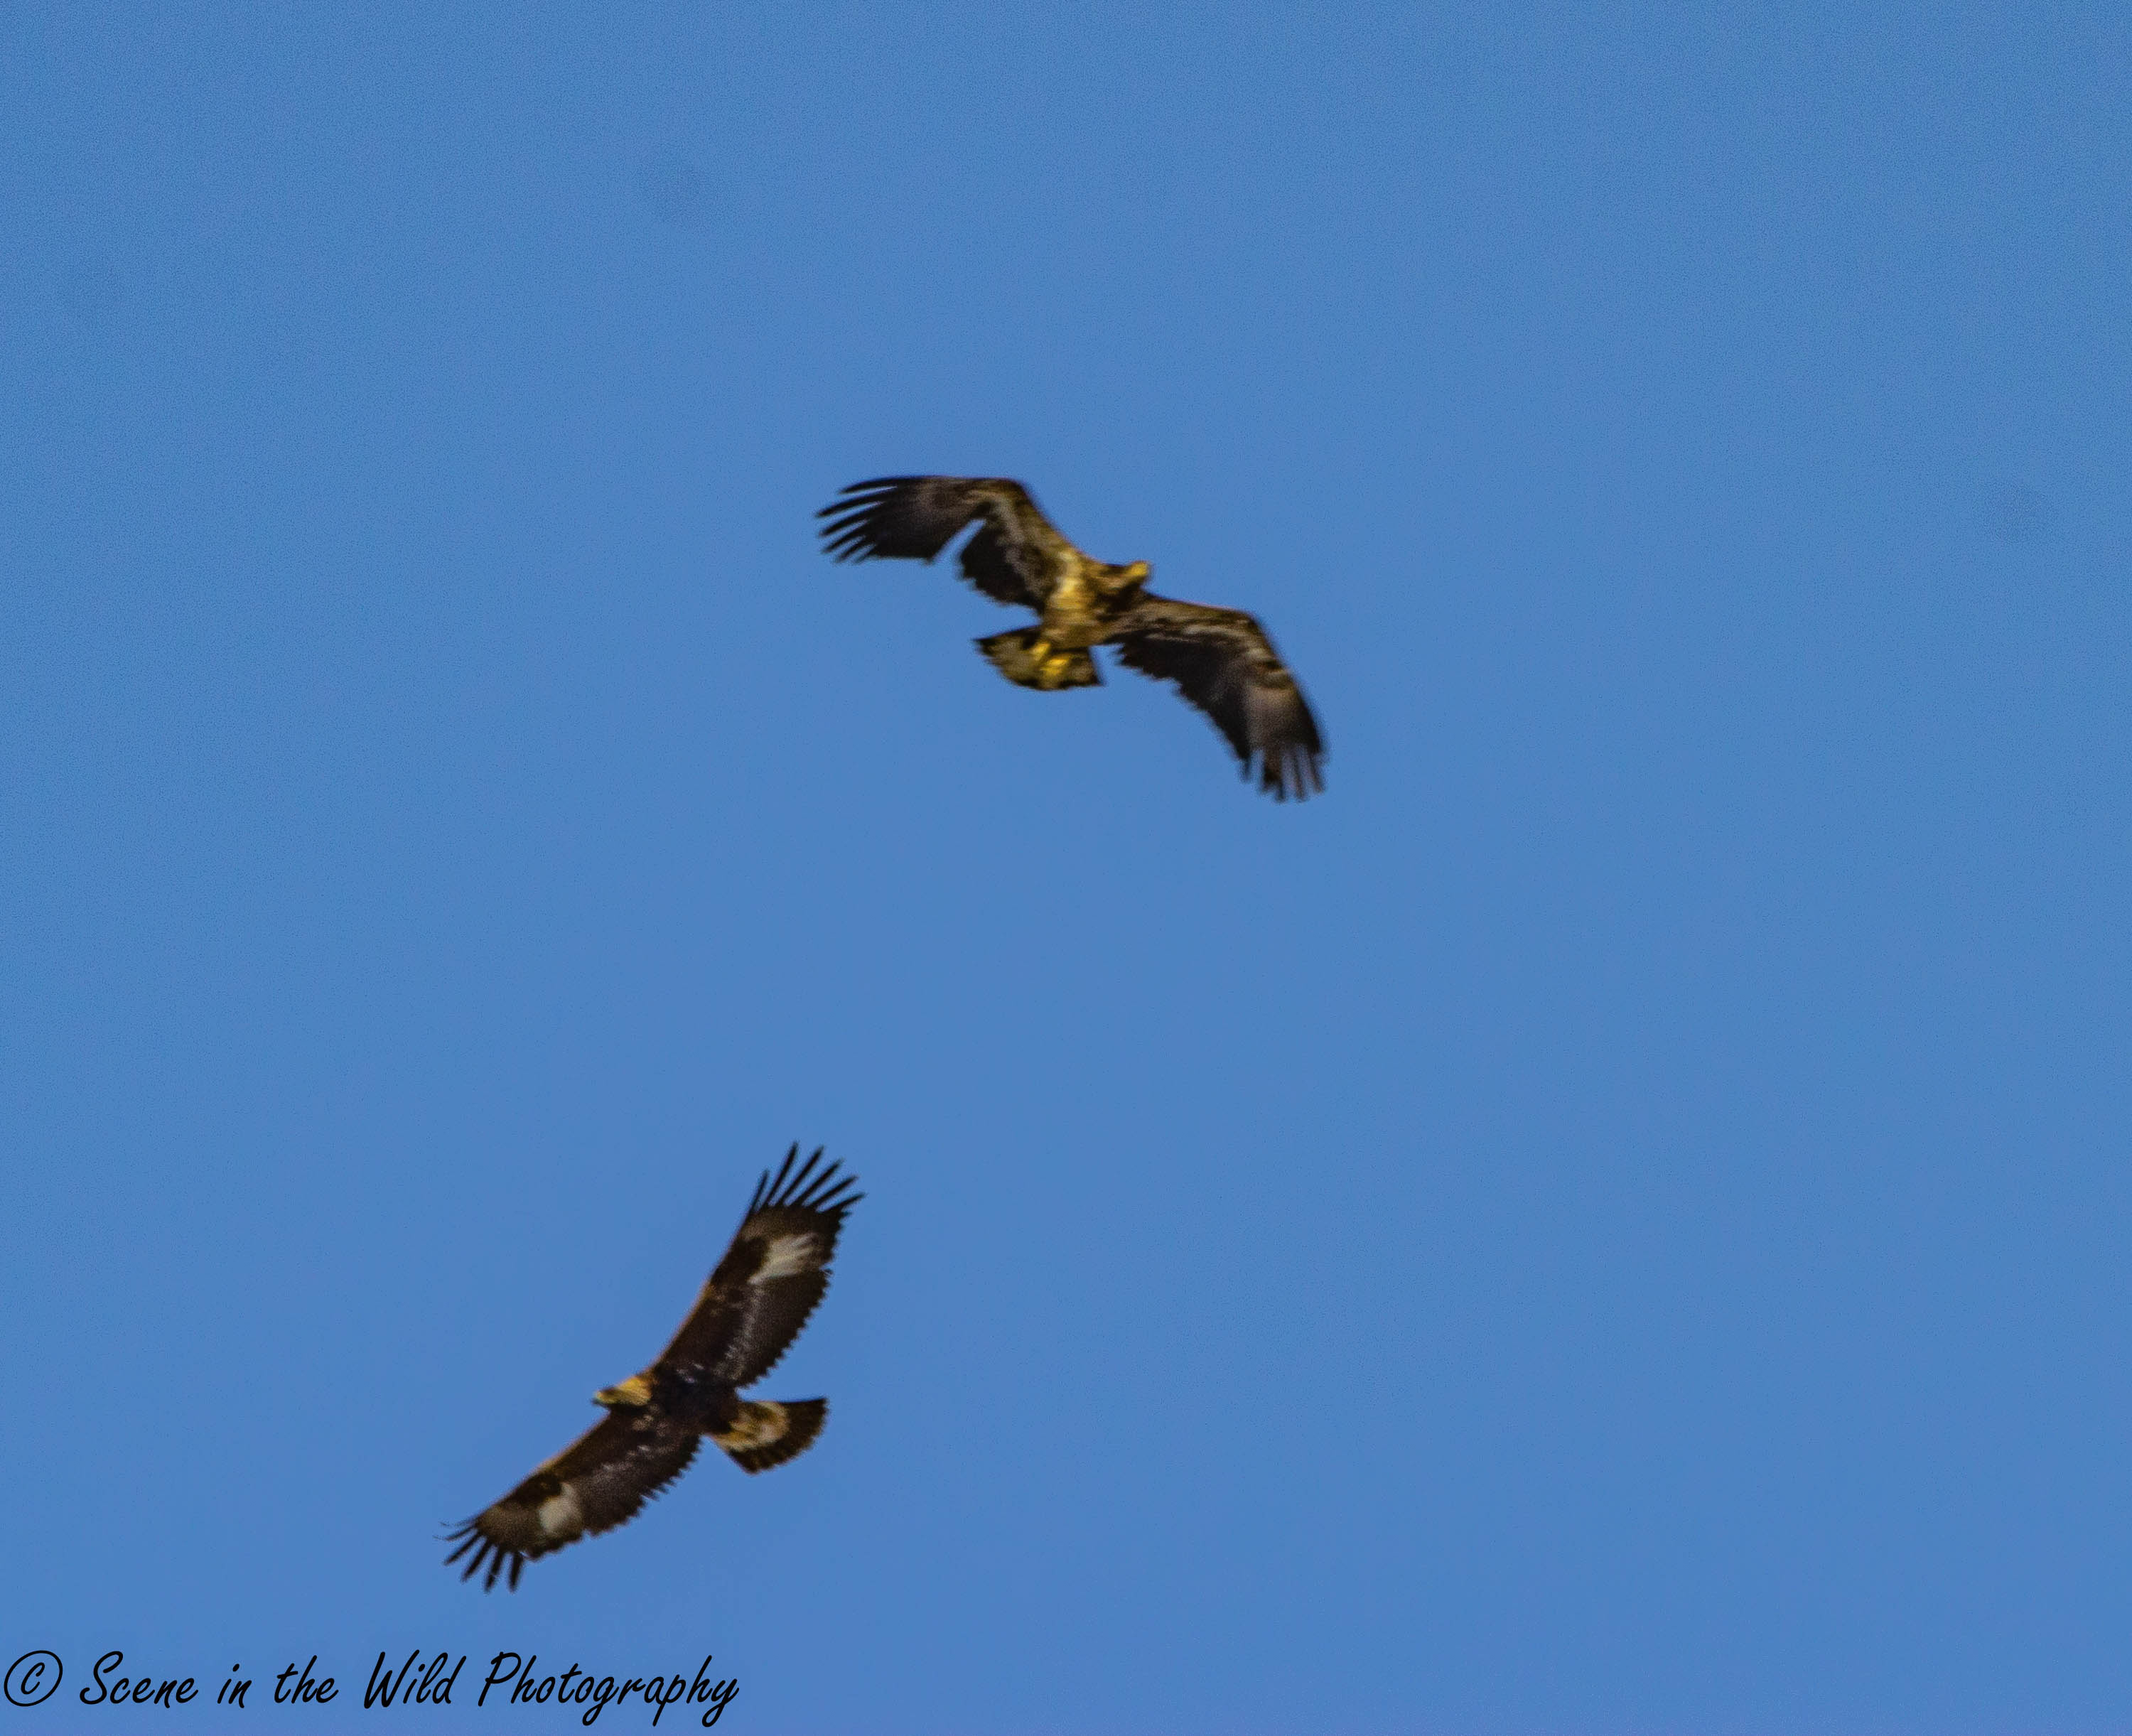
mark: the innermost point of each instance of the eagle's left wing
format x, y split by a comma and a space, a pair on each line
1223, 663
593, 1484
758, 1298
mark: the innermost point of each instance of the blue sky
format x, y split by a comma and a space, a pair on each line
1613, 1219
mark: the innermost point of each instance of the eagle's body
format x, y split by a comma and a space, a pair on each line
1220, 660
751, 1309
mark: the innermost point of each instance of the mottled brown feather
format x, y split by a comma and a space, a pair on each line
1221, 660
1015, 557
748, 1313
611, 1471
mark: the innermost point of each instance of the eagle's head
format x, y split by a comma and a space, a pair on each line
636, 1392
1132, 578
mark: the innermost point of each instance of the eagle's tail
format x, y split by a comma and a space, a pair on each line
1016, 656
767, 1433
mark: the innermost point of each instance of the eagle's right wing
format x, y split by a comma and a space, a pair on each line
1015, 557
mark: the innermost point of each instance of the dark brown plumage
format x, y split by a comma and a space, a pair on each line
1220, 660
751, 1309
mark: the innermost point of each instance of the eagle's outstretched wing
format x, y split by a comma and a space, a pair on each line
1015, 559
1223, 663
755, 1301
594, 1485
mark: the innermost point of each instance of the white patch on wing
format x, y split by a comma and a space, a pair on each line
559, 1514
787, 1256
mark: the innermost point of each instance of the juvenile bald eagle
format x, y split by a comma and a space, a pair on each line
1220, 659
751, 1308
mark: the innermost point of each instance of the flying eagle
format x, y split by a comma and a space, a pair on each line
751, 1308
1220, 659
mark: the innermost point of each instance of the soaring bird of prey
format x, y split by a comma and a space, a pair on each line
1220, 659
751, 1308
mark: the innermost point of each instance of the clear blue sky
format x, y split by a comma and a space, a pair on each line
1614, 1219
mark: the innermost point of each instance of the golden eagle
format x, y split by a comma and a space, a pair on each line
1220, 659
751, 1308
